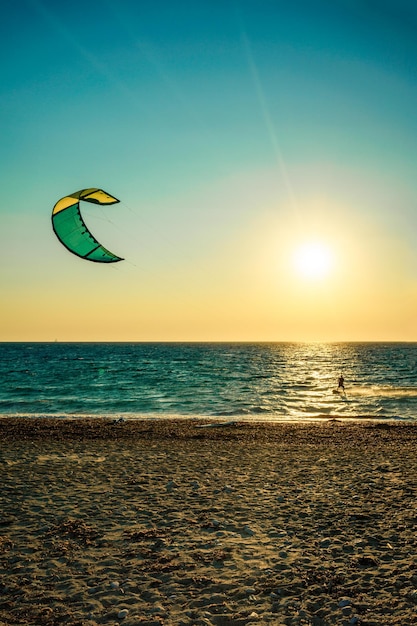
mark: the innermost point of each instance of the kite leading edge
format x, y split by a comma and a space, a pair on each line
72, 231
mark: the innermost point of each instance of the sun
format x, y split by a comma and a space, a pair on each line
313, 260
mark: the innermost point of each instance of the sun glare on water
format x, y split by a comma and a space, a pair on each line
313, 260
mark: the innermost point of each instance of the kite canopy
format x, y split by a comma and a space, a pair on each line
72, 231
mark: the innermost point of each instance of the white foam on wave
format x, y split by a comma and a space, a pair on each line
383, 392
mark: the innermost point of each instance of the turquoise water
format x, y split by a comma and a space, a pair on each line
265, 381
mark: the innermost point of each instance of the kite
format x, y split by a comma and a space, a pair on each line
72, 231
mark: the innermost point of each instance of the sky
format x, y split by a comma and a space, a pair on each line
264, 154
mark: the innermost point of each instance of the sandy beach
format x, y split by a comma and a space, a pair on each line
167, 523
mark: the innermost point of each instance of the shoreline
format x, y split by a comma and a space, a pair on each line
359, 430
150, 523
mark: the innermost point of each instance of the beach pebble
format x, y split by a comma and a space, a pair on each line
248, 530
122, 614
114, 584
250, 591
413, 595
325, 543
344, 602
171, 484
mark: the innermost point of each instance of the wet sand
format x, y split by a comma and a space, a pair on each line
166, 523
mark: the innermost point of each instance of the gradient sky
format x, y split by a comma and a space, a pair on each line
232, 132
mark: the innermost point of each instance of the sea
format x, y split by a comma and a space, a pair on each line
222, 381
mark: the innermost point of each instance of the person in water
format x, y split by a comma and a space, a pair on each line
341, 384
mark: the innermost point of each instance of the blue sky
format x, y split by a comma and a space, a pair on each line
220, 125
